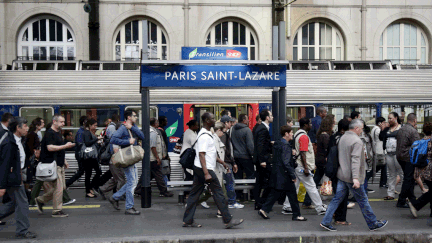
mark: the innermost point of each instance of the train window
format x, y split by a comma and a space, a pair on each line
362, 66
90, 66
342, 66
131, 66
31, 113
111, 66
101, 114
300, 66
24, 66
298, 112
367, 112
423, 113
382, 66
45, 66
66, 66
153, 113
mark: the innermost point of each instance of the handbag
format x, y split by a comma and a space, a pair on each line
165, 167
128, 156
188, 157
326, 188
46, 172
105, 155
89, 152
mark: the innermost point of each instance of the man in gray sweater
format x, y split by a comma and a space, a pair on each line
351, 174
242, 141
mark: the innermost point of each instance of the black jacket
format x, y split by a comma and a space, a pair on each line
283, 167
9, 159
262, 145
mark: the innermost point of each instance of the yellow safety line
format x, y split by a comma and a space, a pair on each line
71, 207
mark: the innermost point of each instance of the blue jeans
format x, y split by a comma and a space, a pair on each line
229, 186
128, 188
359, 195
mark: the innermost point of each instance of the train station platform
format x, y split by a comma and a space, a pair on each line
94, 220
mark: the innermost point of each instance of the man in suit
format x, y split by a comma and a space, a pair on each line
262, 157
6, 118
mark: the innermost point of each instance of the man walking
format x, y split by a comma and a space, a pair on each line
351, 173
305, 164
12, 161
406, 136
53, 149
204, 166
79, 140
242, 141
122, 138
316, 123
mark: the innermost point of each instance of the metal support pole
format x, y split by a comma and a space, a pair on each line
363, 47
144, 50
275, 111
145, 186
282, 106
275, 40
282, 40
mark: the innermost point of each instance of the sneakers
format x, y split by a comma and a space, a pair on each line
69, 202
370, 190
322, 212
132, 211
59, 214
236, 205
114, 203
287, 212
28, 235
412, 208
166, 194
379, 225
351, 205
39, 206
205, 205
328, 227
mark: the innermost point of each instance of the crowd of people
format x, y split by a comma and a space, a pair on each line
225, 150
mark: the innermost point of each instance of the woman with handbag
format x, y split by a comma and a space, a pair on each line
90, 157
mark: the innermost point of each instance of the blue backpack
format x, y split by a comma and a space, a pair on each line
419, 153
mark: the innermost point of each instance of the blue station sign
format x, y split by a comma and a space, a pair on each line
223, 76
214, 53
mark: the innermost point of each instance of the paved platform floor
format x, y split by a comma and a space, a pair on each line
94, 220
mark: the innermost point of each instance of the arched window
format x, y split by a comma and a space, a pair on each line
46, 38
233, 34
404, 43
317, 40
128, 41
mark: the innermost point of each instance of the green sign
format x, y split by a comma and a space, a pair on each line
172, 129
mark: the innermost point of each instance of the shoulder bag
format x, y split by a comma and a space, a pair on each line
128, 156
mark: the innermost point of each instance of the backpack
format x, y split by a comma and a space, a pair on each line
419, 153
187, 159
332, 164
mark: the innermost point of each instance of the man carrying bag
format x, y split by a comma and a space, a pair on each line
122, 137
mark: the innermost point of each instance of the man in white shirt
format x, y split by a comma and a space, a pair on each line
204, 166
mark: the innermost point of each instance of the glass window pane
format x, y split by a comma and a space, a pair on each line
396, 34
322, 34
53, 52
128, 52
252, 53
368, 112
25, 35
423, 55
25, 53
59, 31
235, 33
71, 53
305, 35
153, 33
135, 52
35, 52
413, 35
390, 35
407, 34
69, 36
381, 40
312, 34
295, 40
322, 53
60, 53
225, 33
135, 32
242, 35
152, 52
164, 53
208, 42
328, 53
100, 114
406, 55
163, 39
296, 113
52, 30
30, 114
36, 31
339, 53
423, 113
413, 55
128, 32
218, 40
118, 38
43, 53
252, 40
153, 113
423, 42
311, 53
338, 40
43, 30
389, 53
328, 35
295, 53
381, 53
118, 53
396, 54
304, 53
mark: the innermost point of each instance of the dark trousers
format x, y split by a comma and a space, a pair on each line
77, 175
105, 178
19, 205
408, 184
319, 173
383, 178
261, 185
116, 182
424, 199
155, 173
89, 166
245, 166
341, 211
198, 188
274, 195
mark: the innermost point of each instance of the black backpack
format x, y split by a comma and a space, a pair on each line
332, 165
188, 157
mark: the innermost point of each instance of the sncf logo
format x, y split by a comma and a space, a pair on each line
233, 54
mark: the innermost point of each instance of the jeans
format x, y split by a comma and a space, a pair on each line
341, 211
394, 169
408, 184
361, 198
131, 174
19, 205
229, 186
197, 190
319, 173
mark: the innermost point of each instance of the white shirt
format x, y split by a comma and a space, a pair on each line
40, 135
4, 127
267, 126
206, 144
21, 150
